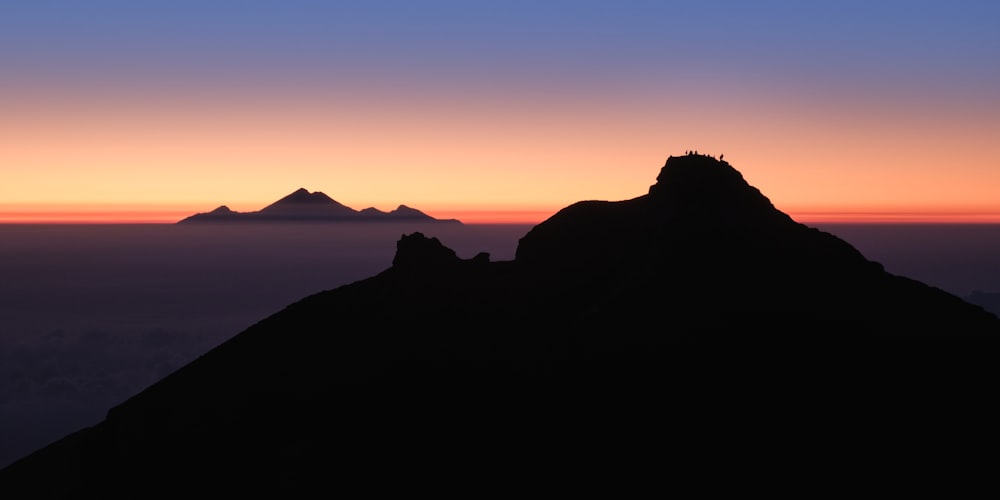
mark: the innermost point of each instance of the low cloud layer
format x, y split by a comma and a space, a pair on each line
56, 383
91, 315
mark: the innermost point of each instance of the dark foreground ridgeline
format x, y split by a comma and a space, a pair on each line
657, 336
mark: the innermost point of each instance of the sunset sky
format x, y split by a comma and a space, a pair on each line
495, 111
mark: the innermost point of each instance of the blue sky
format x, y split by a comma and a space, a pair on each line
885, 40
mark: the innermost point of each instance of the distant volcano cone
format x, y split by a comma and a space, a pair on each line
303, 206
300, 199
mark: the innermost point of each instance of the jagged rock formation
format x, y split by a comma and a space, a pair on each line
303, 206
660, 324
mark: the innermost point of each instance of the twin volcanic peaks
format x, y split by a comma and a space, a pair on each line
304, 206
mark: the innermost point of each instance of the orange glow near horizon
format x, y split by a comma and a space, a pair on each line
160, 215
488, 155
895, 218
91, 217
138, 215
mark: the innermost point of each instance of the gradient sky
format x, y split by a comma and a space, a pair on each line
503, 111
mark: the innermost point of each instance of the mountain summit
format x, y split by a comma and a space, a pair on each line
304, 206
685, 322
301, 199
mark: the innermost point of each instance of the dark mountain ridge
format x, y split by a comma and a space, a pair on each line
303, 206
988, 300
691, 321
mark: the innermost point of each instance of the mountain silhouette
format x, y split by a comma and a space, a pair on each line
649, 335
987, 300
303, 206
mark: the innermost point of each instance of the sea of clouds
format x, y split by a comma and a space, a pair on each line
91, 315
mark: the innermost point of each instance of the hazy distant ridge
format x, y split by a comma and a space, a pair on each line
303, 206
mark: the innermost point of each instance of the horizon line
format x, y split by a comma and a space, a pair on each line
166, 217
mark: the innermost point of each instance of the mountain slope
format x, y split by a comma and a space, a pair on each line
693, 317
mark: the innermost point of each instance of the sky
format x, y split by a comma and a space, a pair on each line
118, 111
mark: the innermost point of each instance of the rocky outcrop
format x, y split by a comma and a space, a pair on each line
417, 250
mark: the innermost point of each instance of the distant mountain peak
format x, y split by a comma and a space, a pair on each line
304, 206
222, 210
405, 211
302, 197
